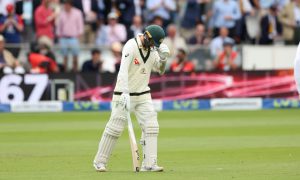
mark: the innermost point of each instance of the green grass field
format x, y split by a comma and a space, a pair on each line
192, 145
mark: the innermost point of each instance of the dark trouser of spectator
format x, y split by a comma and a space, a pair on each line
14, 49
289, 42
242, 31
296, 38
297, 35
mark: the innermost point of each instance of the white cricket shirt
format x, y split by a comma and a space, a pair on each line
134, 73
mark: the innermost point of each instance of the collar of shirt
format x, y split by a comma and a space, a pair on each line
139, 42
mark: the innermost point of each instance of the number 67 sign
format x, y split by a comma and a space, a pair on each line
11, 91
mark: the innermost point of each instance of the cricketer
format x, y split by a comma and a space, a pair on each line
140, 56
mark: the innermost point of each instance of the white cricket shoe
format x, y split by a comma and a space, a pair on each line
100, 167
154, 168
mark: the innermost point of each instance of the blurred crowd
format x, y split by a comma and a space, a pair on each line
215, 24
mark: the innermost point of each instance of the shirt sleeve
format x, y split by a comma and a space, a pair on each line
127, 57
297, 68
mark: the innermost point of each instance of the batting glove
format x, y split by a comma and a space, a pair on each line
163, 52
124, 101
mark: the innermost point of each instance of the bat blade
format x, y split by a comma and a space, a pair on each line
134, 148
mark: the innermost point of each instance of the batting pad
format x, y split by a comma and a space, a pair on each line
112, 132
150, 145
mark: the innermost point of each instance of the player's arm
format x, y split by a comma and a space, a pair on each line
164, 54
127, 57
297, 69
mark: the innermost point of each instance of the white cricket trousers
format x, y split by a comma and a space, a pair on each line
142, 107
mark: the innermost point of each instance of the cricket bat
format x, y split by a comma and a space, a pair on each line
134, 148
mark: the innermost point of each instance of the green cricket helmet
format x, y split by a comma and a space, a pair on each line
155, 34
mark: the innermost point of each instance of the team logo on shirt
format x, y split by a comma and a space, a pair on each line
136, 61
143, 71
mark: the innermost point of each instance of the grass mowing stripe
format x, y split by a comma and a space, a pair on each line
192, 145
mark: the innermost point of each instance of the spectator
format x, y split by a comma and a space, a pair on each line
116, 49
7, 60
229, 59
248, 26
44, 17
116, 31
192, 16
11, 27
182, 64
290, 19
101, 35
174, 41
141, 9
127, 10
56, 6
25, 10
265, 5
225, 14
111, 61
45, 48
113, 7
136, 27
90, 10
3, 4
162, 8
271, 28
102, 6
199, 38
282, 3
40, 63
93, 65
157, 20
69, 29
105, 7
255, 4
207, 18
216, 45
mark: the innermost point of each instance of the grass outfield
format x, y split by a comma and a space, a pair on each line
192, 145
